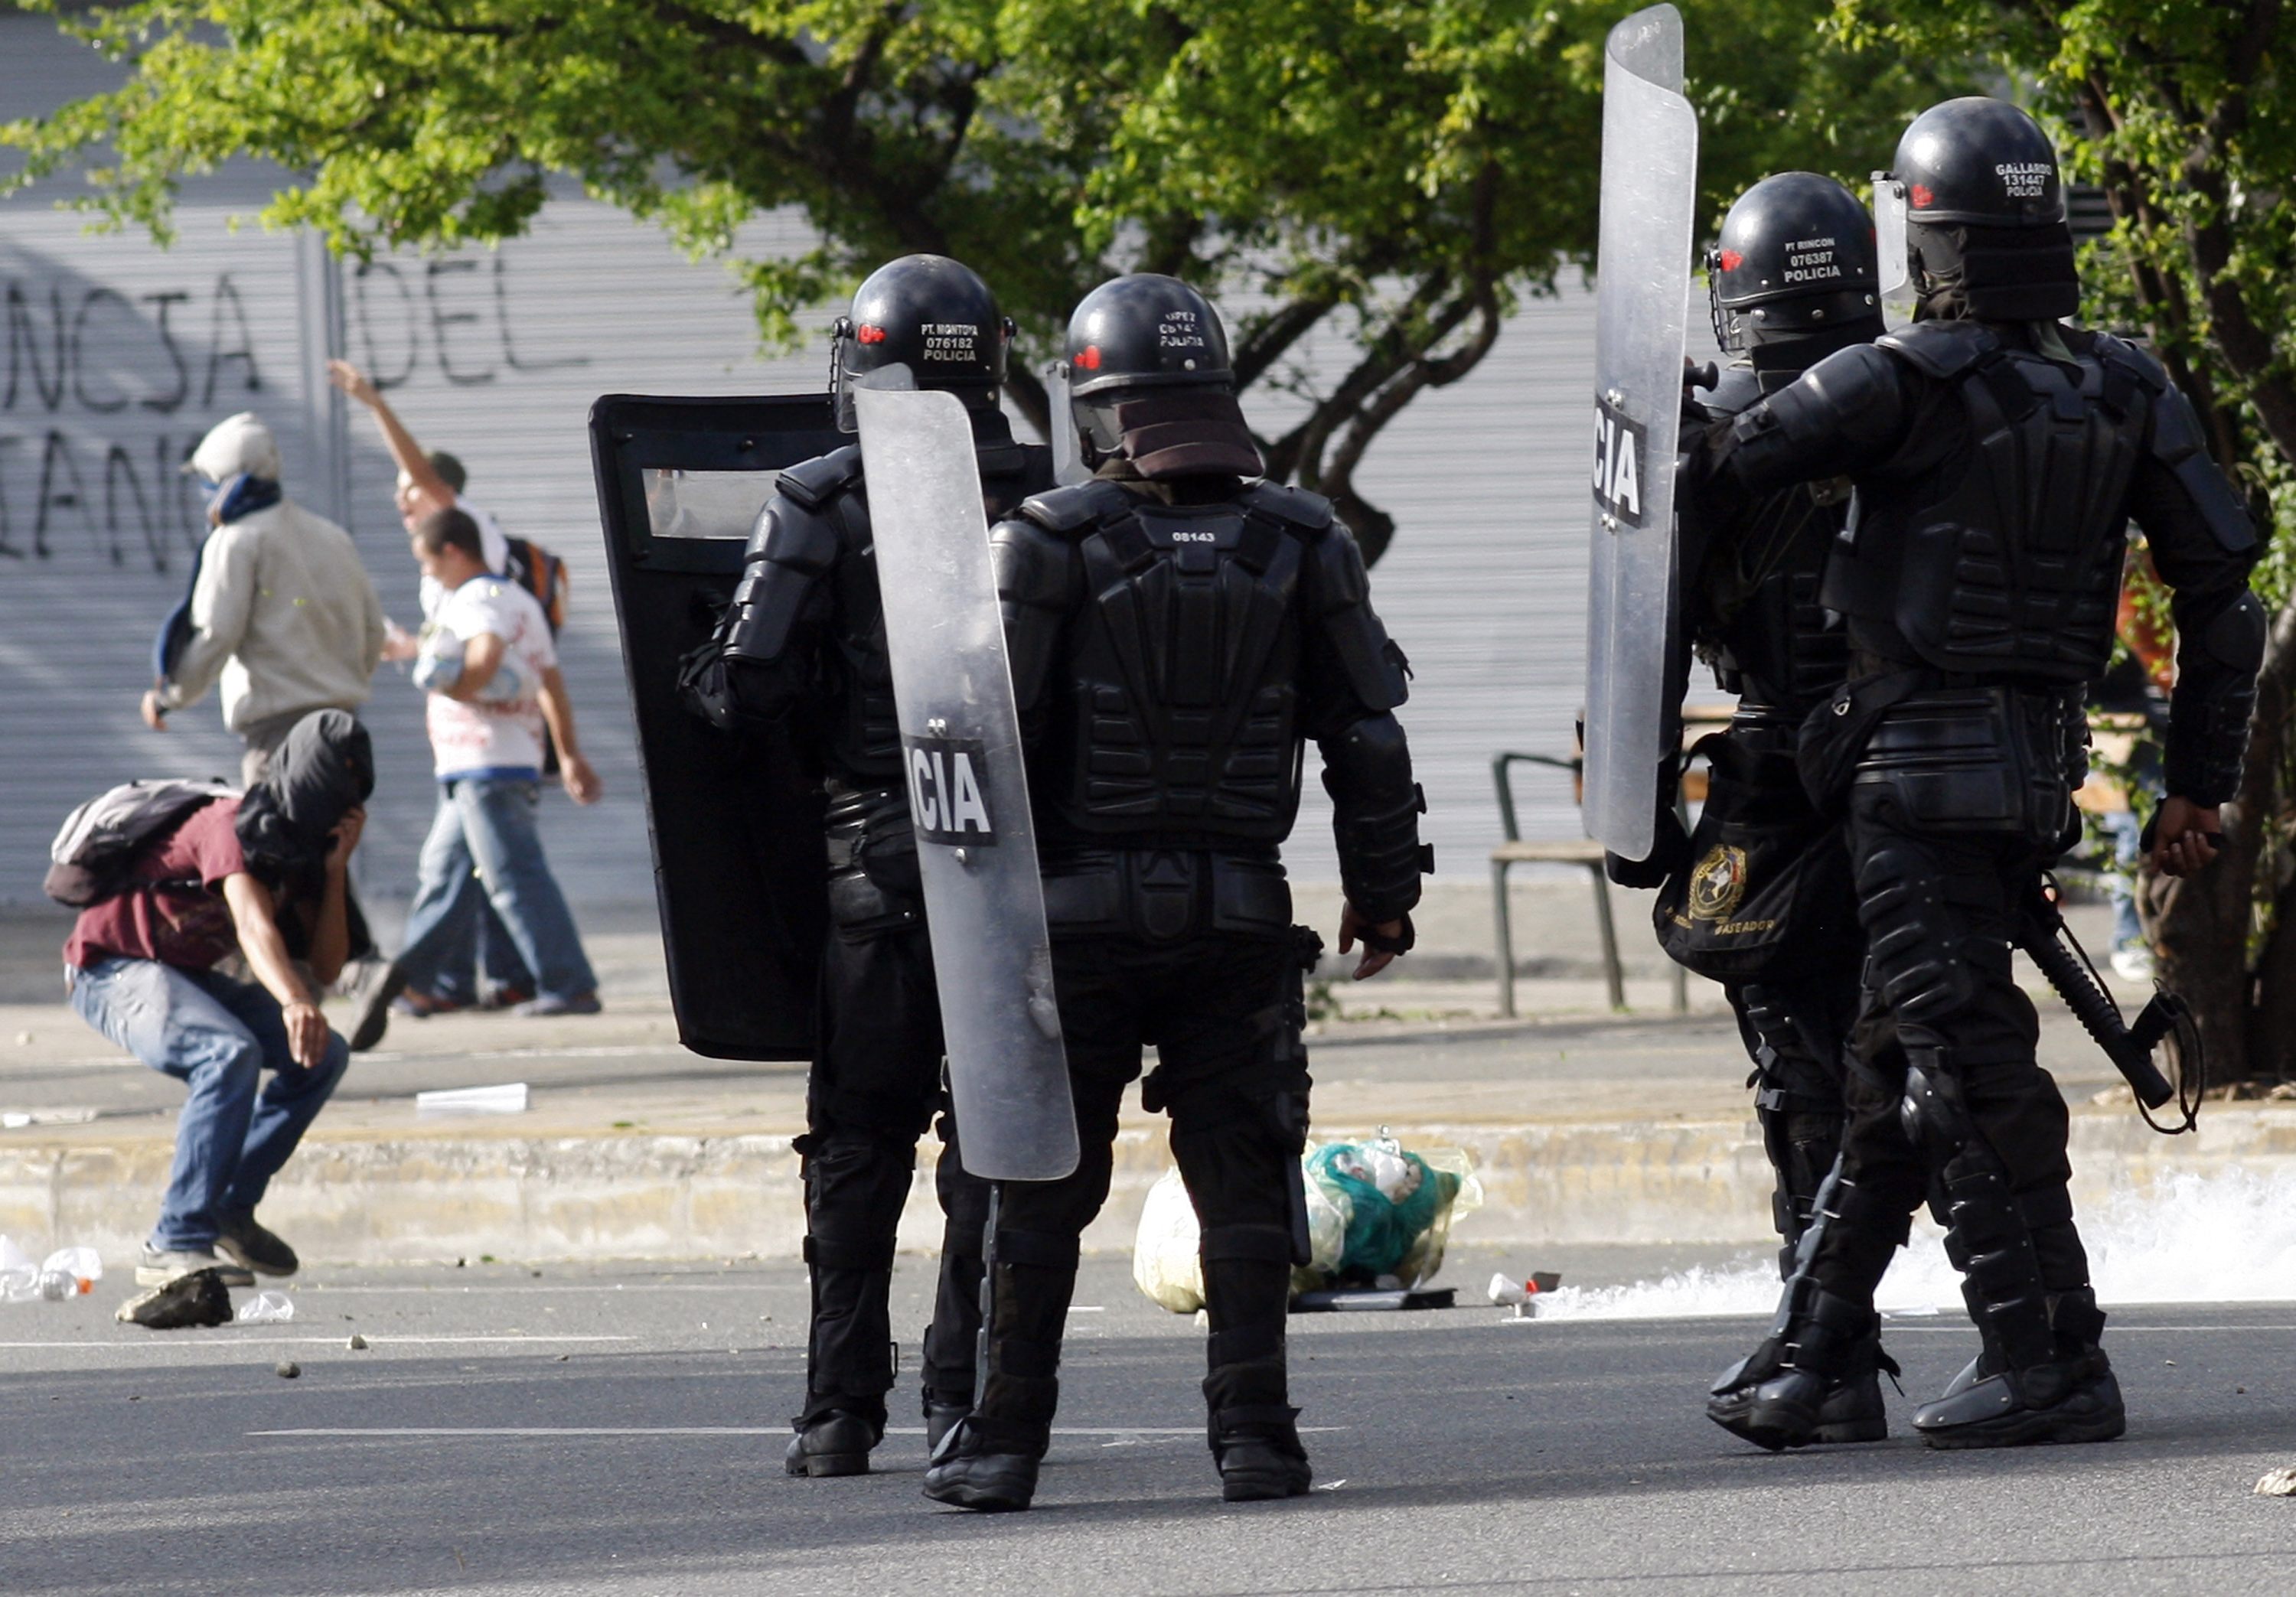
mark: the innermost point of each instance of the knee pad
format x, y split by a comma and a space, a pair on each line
1935, 1118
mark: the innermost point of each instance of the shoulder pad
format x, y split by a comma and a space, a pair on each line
1940, 348
1736, 389
1074, 508
793, 532
2142, 364
814, 483
1306, 513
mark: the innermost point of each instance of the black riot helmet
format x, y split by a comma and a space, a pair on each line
931, 314
1149, 380
1794, 261
1984, 214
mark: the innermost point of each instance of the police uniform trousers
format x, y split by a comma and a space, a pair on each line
1224, 1011
1796, 1028
1946, 1099
873, 1090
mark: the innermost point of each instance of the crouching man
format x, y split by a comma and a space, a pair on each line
263, 875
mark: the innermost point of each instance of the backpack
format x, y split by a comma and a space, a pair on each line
93, 854
541, 574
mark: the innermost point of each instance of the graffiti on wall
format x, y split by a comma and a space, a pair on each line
105, 389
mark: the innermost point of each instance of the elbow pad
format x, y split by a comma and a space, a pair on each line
2210, 708
1036, 577
1376, 668
793, 547
1376, 810
1852, 399
2178, 444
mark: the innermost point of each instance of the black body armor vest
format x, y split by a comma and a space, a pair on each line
2002, 564
813, 565
1179, 716
1757, 611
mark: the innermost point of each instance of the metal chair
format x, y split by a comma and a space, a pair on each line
1583, 852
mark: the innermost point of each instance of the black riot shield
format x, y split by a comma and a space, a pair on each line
735, 819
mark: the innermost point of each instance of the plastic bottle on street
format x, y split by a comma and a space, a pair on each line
269, 1309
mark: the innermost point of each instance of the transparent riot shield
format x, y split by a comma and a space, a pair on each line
968, 790
1650, 191
734, 818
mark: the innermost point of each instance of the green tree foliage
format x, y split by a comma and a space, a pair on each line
1373, 181
2179, 111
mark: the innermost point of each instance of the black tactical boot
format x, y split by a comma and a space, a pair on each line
837, 1443
988, 1466
1778, 1397
2073, 1397
1852, 1409
988, 1462
940, 1419
1252, 1429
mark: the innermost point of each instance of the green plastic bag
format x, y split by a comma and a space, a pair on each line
1393, 1199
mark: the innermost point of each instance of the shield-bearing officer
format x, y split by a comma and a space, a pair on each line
1176, 630
1761, 899
803, 645
1998, 456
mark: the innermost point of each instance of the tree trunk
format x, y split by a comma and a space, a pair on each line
2199, 925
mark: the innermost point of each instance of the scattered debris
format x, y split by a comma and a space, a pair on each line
287, 1369
508, 1099
16, 1119
2277, 1483
358, 1344
198, 1298
267, 1308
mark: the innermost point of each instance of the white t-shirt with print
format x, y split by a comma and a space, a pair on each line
505, 737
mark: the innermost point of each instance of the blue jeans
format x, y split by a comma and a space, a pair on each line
217, 1036
497, 961
2123, 827
484, 849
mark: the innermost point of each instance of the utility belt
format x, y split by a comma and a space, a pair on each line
1958, 754
1165, 895
874, 885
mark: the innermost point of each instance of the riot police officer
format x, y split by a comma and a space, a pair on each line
1998, 456
1176, 630
1759, 900
803, 644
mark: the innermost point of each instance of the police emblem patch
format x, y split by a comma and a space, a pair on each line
1718, 883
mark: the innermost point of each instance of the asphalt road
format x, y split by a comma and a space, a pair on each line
618, 1431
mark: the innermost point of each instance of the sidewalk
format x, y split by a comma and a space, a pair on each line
1585, 1128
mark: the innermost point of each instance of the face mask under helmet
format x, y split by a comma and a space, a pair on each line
1149, 382
1985, 214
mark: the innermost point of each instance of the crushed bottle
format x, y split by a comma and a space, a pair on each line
67, 1273
268, 1308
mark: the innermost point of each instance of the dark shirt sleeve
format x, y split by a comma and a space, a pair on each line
1352, 678
2220, 635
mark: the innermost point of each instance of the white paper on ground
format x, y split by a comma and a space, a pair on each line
509, 1099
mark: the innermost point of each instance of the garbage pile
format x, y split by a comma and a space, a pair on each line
1379, 1216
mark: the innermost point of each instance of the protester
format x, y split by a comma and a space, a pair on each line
280, 612
265, 876
433, 480
491, 672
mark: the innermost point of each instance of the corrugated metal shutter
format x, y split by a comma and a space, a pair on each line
496, 357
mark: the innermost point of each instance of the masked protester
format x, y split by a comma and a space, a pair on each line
1998, 453
802, 649
265, 876
279, 610
1177, 629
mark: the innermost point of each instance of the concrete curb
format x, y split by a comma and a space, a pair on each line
391, 1199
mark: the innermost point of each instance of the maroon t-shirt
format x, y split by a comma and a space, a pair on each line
185, 922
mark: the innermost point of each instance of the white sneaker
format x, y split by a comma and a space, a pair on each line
156, 1268
2132, 962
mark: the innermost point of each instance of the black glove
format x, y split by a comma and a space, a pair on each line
887, 848
1669, 857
